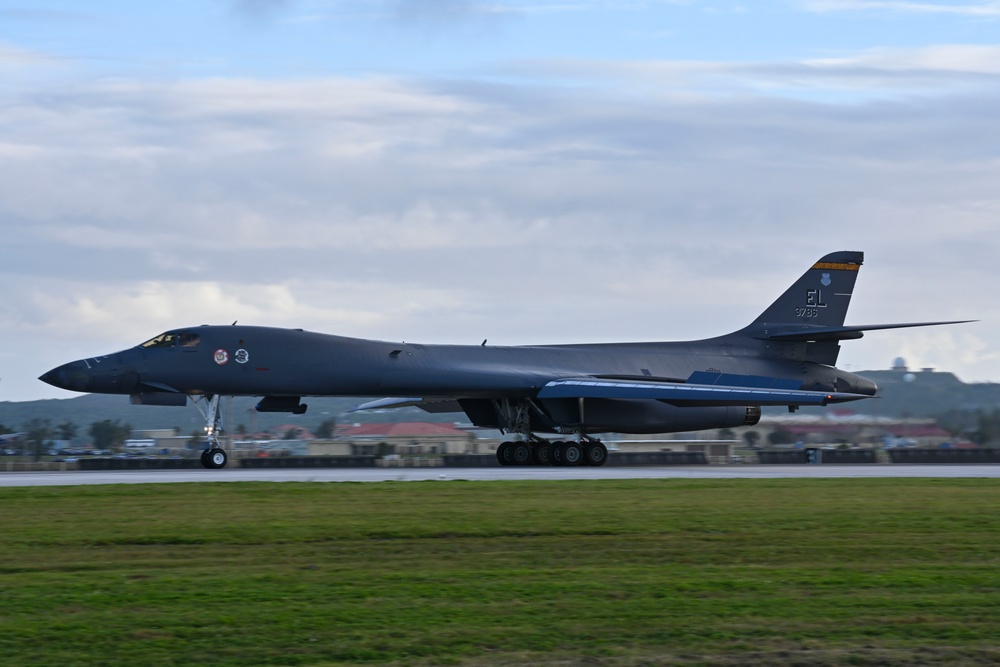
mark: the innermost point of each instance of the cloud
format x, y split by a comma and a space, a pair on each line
452, 211
422, 14
14, 56
451, 11
259, 9
970, 59
858, 77
45, 16
973, 9
450, 17
435, 11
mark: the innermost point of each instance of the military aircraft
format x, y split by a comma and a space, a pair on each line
786, 357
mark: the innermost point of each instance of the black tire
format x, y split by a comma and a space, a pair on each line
556, 453
595, 454
572, 454
520, 454
217, 458
543, 454
205, 463
504, 454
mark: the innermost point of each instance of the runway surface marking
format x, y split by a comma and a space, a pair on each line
493, 474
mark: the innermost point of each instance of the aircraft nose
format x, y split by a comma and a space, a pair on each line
73, 376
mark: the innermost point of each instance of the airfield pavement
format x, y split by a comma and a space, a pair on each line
496, 474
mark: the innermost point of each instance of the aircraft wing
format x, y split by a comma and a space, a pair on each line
685, 394
674, 393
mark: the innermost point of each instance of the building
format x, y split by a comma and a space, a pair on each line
716, 449
408, 439
842, 428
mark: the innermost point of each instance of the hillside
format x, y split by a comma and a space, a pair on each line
927, 394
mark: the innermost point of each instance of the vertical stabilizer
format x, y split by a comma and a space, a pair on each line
816, 301
820, 297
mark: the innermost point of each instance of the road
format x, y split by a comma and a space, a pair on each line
494, 474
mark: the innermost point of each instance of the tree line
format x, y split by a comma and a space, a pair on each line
979, 426
38, 434
108, 434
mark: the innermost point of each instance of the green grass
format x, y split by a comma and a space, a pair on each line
809, 572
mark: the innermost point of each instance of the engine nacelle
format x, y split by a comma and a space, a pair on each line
600, 415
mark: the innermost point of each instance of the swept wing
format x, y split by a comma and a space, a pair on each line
702, 389
681, 394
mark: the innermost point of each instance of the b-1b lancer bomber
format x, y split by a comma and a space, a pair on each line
786, 357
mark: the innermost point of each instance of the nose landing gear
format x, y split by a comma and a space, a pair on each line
215, 456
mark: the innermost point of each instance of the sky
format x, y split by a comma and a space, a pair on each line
524, 171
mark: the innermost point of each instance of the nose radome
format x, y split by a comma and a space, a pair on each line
72, 376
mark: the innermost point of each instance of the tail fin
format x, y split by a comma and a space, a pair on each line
818, 299
806, 323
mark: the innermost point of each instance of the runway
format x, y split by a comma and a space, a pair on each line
496, 474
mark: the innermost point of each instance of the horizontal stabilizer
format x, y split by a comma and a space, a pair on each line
690, 394
792, 332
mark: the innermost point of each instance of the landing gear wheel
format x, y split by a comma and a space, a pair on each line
543, 454
595, 453
216, 458
520, 454
556, 453
571, 454
204, 459
504, 454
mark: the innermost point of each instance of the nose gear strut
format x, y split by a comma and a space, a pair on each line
214, 456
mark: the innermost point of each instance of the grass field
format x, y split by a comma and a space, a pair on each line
666, 572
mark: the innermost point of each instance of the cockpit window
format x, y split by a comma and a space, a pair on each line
163, 340
190, 340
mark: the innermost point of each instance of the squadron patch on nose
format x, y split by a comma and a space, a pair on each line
826, 280
241, 356
221, 356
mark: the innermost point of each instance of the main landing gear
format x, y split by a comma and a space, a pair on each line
214, 457
587, 452
516, 416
